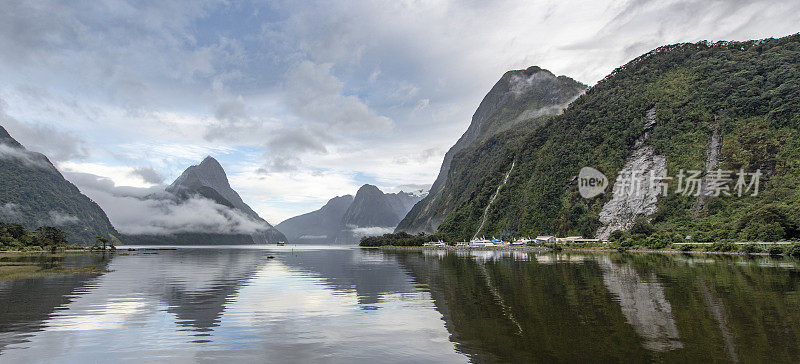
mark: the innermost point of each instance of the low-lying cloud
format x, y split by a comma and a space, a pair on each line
30, 159
57, 145
371, 231
148, 174
10, 210
60, 218
153, 211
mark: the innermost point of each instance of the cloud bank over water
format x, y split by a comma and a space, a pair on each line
152, 211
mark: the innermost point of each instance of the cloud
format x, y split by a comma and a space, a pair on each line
120, 175
279, 164
287, 145
148, 174
10, 210
55, 144
61, 218
371, 230
152, 211
28, 158
315, 94
296, 140
234, 123
421, 157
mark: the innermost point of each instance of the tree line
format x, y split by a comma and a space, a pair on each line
14, 236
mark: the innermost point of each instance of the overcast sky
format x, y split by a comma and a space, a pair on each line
303, 102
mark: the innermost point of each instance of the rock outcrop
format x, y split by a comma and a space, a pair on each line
637, 186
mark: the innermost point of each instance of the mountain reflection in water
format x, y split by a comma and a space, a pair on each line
367, 305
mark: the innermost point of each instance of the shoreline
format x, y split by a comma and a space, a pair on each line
73, 251
546, 249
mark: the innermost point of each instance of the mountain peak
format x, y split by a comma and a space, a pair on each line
520, 97
368, 189
209, 160
211, 165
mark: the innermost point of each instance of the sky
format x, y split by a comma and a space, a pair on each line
304, 101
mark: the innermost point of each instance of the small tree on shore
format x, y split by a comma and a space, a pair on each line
102, 240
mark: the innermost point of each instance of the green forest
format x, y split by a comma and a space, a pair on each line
398, 239
16, 237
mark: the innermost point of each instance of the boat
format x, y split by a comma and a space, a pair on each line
481, 242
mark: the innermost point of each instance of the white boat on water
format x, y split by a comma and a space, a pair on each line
435, 243
481, 242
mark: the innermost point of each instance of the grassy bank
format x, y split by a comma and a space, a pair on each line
23, 265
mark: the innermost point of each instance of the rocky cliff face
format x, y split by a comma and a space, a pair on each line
33, 193
634, 196
520, 96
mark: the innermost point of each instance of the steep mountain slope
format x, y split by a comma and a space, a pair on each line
733, 105
208, 180
33, 193
320, 226
520, 99
345, 219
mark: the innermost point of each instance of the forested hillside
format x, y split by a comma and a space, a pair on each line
748, 93
33, 193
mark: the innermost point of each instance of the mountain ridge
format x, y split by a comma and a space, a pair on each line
344, 219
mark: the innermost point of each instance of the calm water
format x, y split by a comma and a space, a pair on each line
351, 305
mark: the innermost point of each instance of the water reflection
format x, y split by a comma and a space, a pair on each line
643, 303
26, 303
572, 307
324, 304
369, 274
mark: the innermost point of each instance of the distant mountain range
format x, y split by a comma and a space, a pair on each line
208, 180
345, 219
33, 193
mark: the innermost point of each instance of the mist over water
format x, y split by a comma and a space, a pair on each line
322, 303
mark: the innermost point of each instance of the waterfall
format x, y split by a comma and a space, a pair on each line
491, 200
